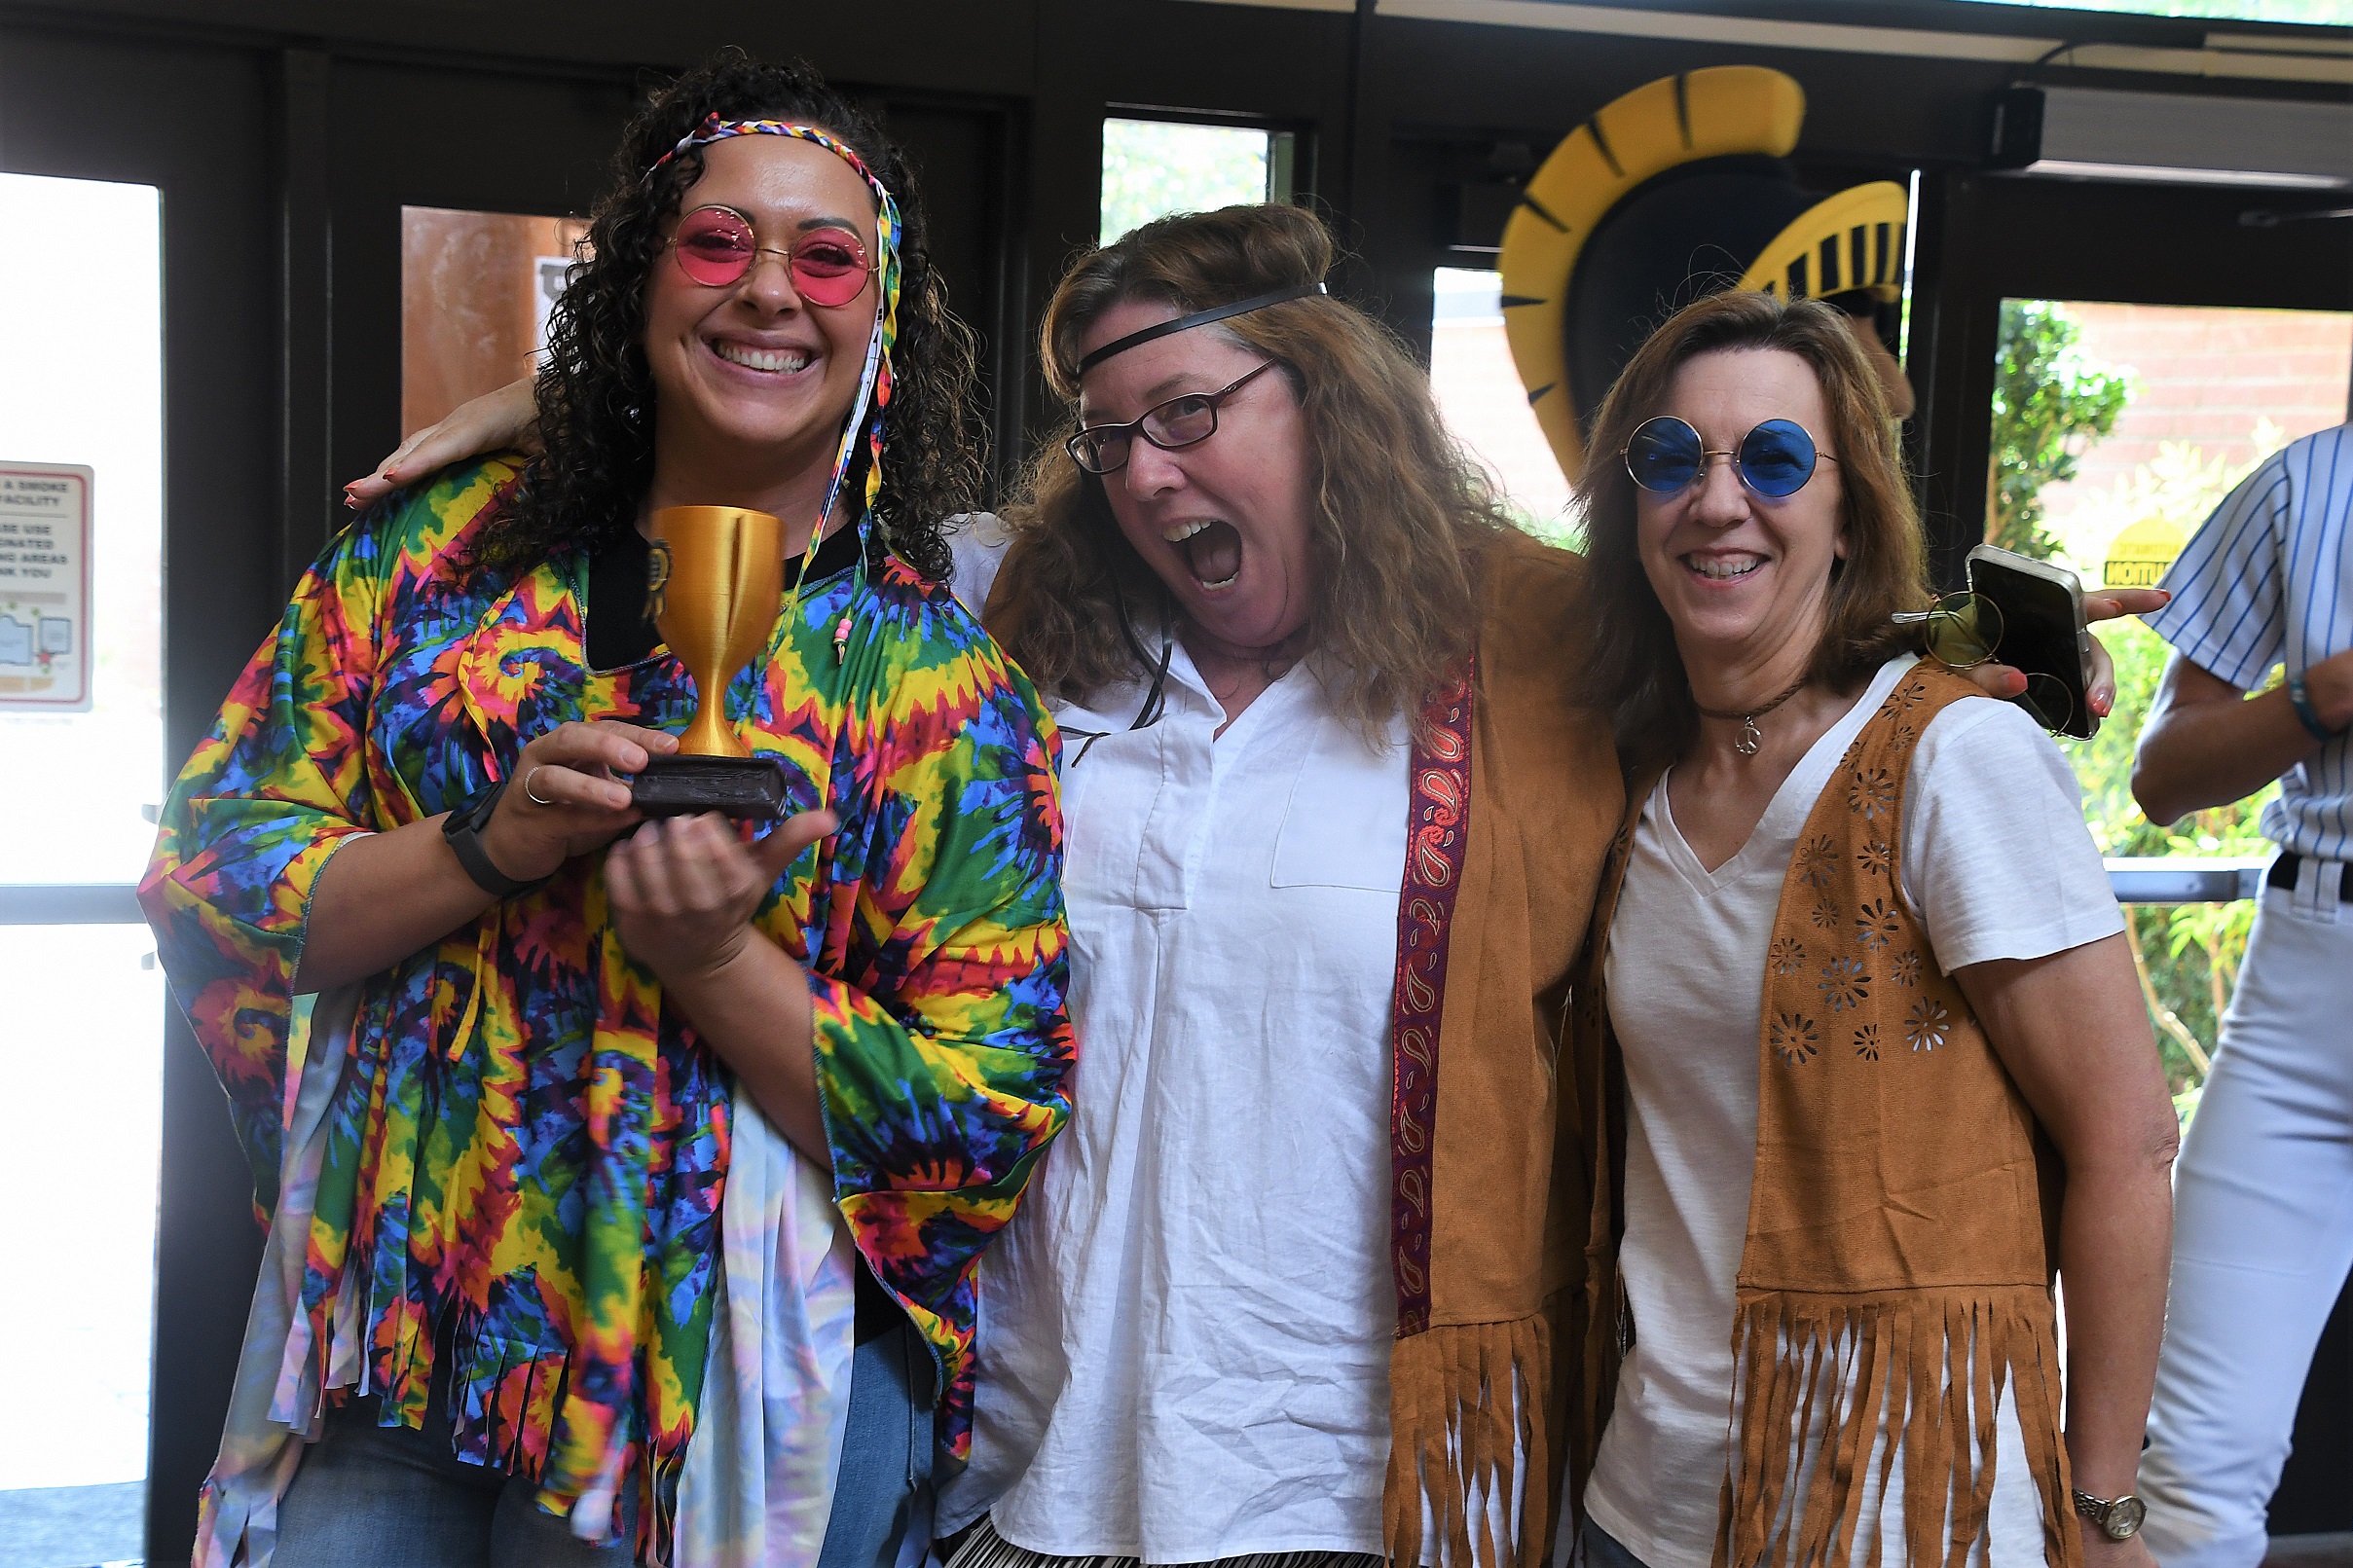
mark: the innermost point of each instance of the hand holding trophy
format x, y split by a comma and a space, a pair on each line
713, 583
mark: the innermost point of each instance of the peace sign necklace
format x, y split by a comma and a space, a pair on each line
1750, 737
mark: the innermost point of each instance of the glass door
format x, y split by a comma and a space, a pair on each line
81, 760
2118, 430
476, 289
1481, 398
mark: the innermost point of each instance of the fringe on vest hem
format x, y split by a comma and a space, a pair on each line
1464, 1400
1822, 1377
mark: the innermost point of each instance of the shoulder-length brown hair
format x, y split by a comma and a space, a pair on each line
1634, 669
1400, 509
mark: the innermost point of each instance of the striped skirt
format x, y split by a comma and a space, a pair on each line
985, 1547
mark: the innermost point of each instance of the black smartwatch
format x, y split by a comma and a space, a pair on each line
462, 828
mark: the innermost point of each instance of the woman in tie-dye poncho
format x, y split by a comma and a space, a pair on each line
589, 1149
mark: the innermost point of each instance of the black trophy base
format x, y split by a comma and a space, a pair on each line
733, 786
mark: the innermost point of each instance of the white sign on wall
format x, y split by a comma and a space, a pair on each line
45, 598
552, 273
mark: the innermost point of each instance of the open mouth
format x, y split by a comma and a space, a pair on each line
1212, 551
768, 362
1722, 568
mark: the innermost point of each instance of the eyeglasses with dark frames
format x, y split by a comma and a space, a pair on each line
1185, 420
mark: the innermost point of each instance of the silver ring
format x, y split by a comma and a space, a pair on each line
528, 793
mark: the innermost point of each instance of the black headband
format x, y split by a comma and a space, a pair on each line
1198, 318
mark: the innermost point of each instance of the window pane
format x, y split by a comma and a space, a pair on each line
1483, 403
1152, 168
2117, 428
77, 1221
83, 322
475, 291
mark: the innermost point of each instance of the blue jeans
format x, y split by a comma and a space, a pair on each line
883, 1490
1606, 1551
392, 1497
378, 1497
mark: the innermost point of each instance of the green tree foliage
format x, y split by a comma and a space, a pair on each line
1154, 167
2189, 954
2186, 955
2050, 402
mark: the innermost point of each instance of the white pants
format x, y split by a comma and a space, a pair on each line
2262, 1233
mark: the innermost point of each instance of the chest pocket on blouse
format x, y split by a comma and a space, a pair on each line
1344, 825
1112, 803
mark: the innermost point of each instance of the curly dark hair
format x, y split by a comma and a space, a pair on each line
595, 391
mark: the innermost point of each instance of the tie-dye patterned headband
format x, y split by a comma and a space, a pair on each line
875, 386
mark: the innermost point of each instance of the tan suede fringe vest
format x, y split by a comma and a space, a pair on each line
1902, 1221
1488, 1199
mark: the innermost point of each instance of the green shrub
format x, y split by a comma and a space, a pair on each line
2189, 953
2051, 402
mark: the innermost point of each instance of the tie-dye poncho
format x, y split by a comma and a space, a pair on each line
525, 1155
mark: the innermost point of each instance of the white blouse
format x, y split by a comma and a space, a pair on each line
1185, 1332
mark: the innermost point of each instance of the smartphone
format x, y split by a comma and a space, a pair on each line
2042, 634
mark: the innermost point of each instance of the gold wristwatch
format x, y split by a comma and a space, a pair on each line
2117, 1518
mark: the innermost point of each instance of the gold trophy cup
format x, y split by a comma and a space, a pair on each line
715, 579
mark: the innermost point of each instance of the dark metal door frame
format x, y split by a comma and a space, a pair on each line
196, 122
1986, 238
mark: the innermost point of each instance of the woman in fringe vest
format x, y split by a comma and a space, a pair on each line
1858, 1053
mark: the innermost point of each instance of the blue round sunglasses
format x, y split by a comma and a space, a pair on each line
1666, 455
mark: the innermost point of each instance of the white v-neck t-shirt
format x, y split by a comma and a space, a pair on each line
1996, 863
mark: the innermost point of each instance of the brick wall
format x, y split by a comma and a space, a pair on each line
1479, 395
2208, 375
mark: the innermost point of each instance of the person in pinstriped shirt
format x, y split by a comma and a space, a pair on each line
2263, 1189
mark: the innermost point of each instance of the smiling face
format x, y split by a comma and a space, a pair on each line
1229, 523
1744, 578
750, 372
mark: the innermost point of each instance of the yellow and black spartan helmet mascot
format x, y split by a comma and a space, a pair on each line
1674, 190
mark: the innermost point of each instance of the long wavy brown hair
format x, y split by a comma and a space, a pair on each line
1635, 670
1400, 510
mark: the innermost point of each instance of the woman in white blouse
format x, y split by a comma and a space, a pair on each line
1333, 830
1237, 581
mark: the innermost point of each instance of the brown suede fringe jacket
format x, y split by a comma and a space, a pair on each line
1903, 1214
